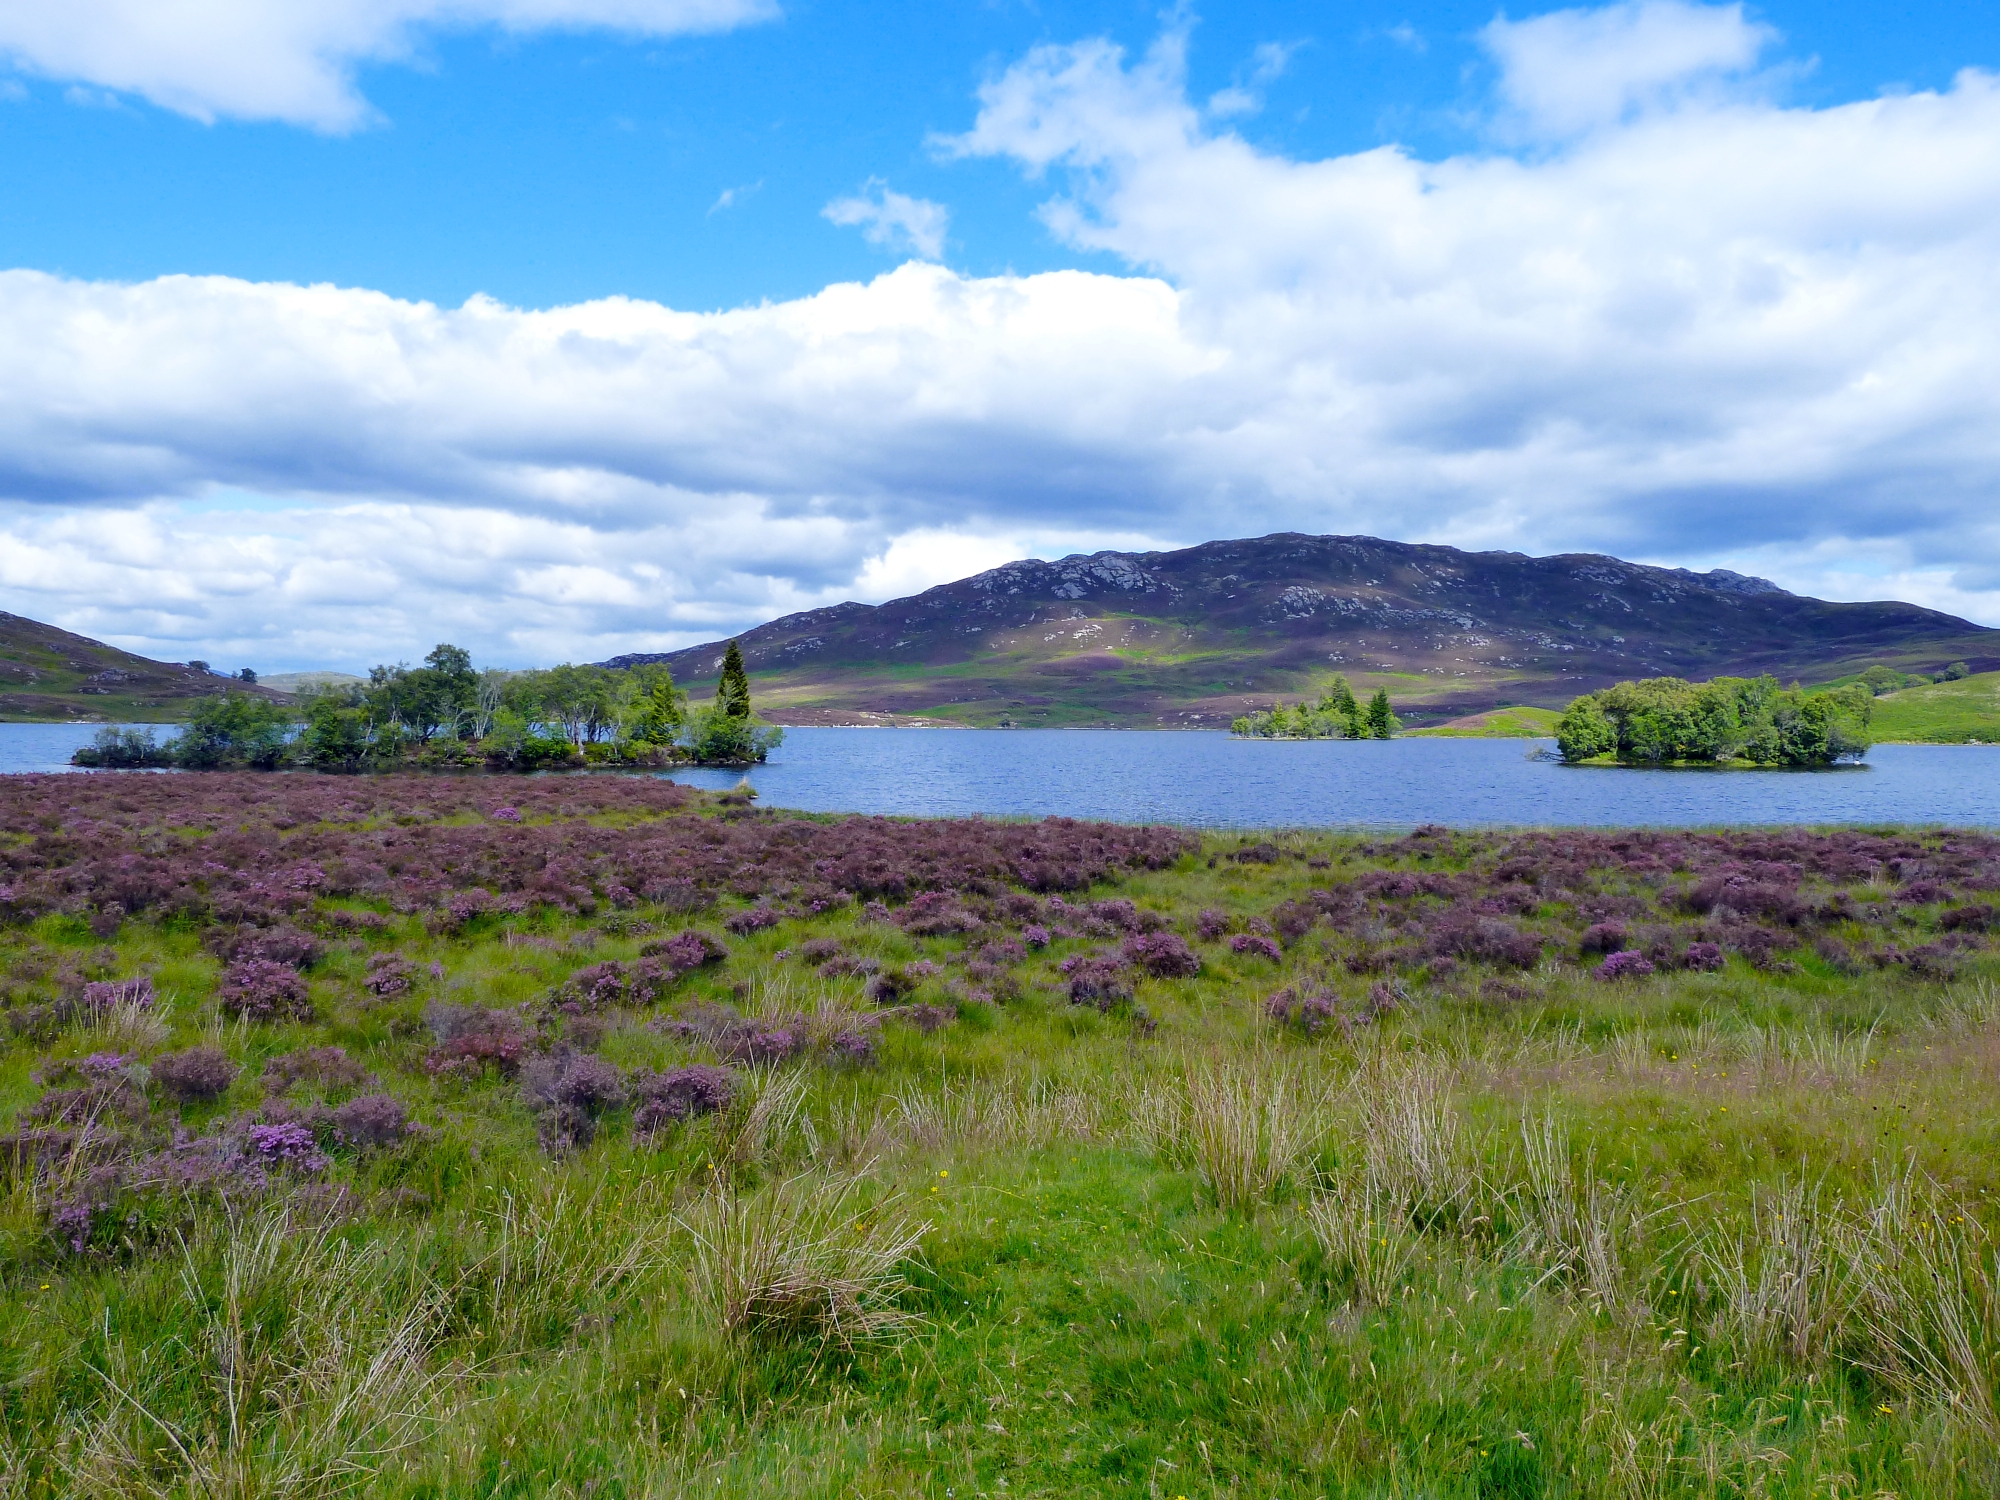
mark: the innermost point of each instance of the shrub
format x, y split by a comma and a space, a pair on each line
1485, 939
287, 1144
472, 1038
372, 1120
1311, 1012
1604, 937
388, 974
755, 1042
102, 997
753, 918
569, 1092
688, 951
280, 945
262, 990
330, 1067
1164, 955
937, 914
1245, 942
683, 1094
1035, 935
1211, 924
1626, 964
195, 1076
1703, 956
1100, 979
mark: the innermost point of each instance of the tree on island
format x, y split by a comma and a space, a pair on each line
445, 715
1381, 722
1668, 720
728, 734
1337, 716
732, 691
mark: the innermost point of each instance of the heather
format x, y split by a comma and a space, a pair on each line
376, 1134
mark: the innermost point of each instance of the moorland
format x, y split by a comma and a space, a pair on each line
619, 1139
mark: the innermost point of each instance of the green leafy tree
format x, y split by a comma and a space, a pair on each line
234, 729
656, 710
732, 692
335, 737
1584, 732
716, 737
1958, 671
1382, 723
1337, 716
1668, 720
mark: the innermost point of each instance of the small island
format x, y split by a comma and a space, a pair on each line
1337, 716
1750, 721
444, 716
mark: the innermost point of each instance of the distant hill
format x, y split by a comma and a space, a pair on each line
1194, 637
46, 673
308, 682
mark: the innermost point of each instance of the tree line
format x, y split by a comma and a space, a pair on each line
1337, 716
1666, 720
445, 714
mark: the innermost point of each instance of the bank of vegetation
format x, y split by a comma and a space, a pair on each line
1746, 720
444, 715
1338, 715
380, 1135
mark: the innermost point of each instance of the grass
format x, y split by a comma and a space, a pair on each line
1942, 713
1718, 1234
1522, 721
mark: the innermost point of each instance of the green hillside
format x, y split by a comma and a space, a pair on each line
1520, 722
46, 673
1965, 712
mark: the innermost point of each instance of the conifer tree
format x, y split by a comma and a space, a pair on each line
732, 693
1381, 722
1339, 702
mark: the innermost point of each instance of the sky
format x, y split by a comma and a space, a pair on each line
332, 329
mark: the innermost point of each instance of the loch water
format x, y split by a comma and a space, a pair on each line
1210, 780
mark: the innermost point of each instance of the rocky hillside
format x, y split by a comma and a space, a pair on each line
1194, 637
46, 673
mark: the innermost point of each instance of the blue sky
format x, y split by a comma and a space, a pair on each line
1702, 285
549, 169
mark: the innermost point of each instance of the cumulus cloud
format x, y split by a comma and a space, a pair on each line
294, 60
1573, 70
1712, 330
895, 221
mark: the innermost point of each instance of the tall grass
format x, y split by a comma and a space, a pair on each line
299, 1363
811, 1256
1245, 1125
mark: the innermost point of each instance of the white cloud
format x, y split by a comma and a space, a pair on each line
294, 60
892, 220
1572, 70
1712, 331
731, 197
1246, 96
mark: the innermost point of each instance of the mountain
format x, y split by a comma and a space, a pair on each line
1192, 638
46, 673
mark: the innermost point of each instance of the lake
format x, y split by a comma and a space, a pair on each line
1211, 780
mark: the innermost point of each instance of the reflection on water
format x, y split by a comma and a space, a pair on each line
1211, 780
